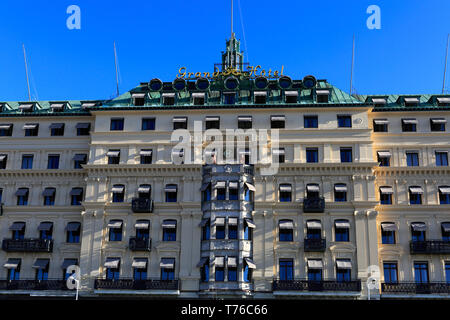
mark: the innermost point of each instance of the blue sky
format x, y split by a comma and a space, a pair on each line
155, 38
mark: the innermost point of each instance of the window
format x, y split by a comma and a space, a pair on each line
412, 159
346, 155
73, 231
280, 153
22, 196
285, 193
421, 272
418, 231
343, 270
169, 230
115, 230
3, 160
286, 230
248, 267
206, 192
313, 230
76, 196
232, 273
31, 129
311, 122
138, 98
49, 196
65, 266
244, 122
17, 230
286, 269
441, 159
139, 269
249, 191
118, 193
344, 121
340, 192
113, 156
83, 129
229, 97
220, 228
388, 232
219, 274
315, 270
6, 130
168, 98
179, 123
112, 266
445, 228
277, 122
415, 195
57, 129
13, 266
116, 124
212, 123
171, 193
260, 97
291, 96
390, 272
409, 125
322, 96
144, 191
142, 230
221, 190
312, 191
148, 124
232, 228
41, 266
198, 98
1, 195
437, 124
380, 125
342, 230
204, 271
167, 268
248, 229
447, 272
384, 158
206, 229
79, 160
444, 195
233, 190
53, 161
27, 161
312, 155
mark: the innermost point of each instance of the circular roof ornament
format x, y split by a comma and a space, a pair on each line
202, 84
231, 83
261, 82
179, 84
284, 82
309, 82
155, 85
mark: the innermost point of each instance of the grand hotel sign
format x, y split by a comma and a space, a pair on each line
252, 72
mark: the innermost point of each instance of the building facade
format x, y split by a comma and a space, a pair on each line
359, 200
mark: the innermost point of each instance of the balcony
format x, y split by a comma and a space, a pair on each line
234, 205
33, 285
325, 285
142, 205
27, 245
430, 247
313, 205
416, 288
140, 244
315, 245
131, 284
225, 285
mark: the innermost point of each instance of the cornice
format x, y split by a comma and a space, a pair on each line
426, 171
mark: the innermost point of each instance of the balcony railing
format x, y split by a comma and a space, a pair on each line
312, 205
142, 205
33, 285
136, 244
27, 245
131, 284
430, 246
315, 245
417, 288
325, 285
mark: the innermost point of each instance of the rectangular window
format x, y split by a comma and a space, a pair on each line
412, 159
384, 158
244, 122
380, 125
229, 98
27, 161
447, 272
343, 275
83, 129
220, 274
344, 121
3, 160
438, 124
148, 123
342, 231
390, 272
312, 155
169, 230
6, 130
444, 195
53, 161
387, 234
311, 122
277, 122
441, 159
113, 156
346, 155
22, 197
421, 272
31, 129
314, 275
409, 125
116, 124
180, 123
212, 123
232, 274
286, 269
76, 196
139, 274
115, 231
232, 232
57, 129
79, 160
49, 196
73, 230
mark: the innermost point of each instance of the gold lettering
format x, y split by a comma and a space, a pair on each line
270, 73
263, 73
198, 75
190, 74
275, 74
181, 72
206, 75
216, 72
282, 68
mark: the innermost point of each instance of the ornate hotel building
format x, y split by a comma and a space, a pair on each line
359, 204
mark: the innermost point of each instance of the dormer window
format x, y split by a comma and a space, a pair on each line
291, 96
26, 107
168, 99
443, 101
229, 97
322, 96
198, 98
260, 97
379, 102
138, 99
411, 101
57, 106
88, 104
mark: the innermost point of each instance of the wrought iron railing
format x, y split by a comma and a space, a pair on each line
315, 245
131, 284
136, 244
430, 246
27, 245
312, 205
417, 288
142, 205
33, 285
324, 285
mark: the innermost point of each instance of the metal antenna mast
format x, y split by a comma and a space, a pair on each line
231, 18
353, 62
115, 63
445, 67
26, 70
